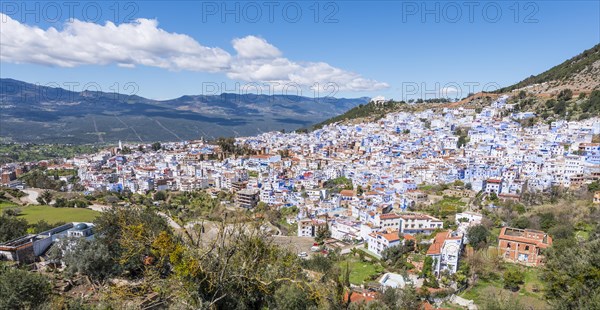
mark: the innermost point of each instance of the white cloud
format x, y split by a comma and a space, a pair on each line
250, 66
254, 47
84, 43
143, 43
448, 91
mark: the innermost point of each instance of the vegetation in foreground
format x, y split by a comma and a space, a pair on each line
13, 152
138, 259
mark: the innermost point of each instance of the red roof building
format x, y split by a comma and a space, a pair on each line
523, 246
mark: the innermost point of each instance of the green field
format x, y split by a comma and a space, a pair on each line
34, 214
530, 293
361, 272
7, 204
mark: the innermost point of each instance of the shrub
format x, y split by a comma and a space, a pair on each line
512, 279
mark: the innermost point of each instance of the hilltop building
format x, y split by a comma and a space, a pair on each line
523, 246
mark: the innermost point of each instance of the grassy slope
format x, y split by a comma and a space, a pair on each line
6, 204
563, 71
361, 272
372, 112
34, 214
526, 295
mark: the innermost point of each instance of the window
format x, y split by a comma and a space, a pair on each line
508, 245
523, 257
526, 248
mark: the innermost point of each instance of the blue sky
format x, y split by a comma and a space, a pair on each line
363, 48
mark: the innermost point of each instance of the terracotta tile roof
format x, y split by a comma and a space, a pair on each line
427, 306
347, 193
409, 237
418, 216
389, 236
438, 242
389, 216
436, 247
536, 237
365, 296
265, 156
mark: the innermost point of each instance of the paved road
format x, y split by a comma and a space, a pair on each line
103, 208
99, 208
171, 222
32, 195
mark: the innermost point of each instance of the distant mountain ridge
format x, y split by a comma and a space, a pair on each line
32, 113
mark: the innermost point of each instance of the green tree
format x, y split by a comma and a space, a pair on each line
128, 234
521, 222
160, 195
478, 236
318, 263
156, 146
12, 227
293, 297
462, 141
45, 197
323, 233
572, 274
547, 220
401, 298
42, 226
560, 108
89, 257
594, 186
565, 95
564, 231
20, 289
512, 279
37, 178
396, 255
427, 272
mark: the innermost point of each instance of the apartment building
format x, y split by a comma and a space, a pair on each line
416, 223
379, 241
445, 251
309, 227
247, 198
390, 221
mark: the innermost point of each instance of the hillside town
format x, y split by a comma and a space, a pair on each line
295, 155
386, 161
363, 182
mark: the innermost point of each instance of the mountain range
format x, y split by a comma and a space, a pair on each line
40, 114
